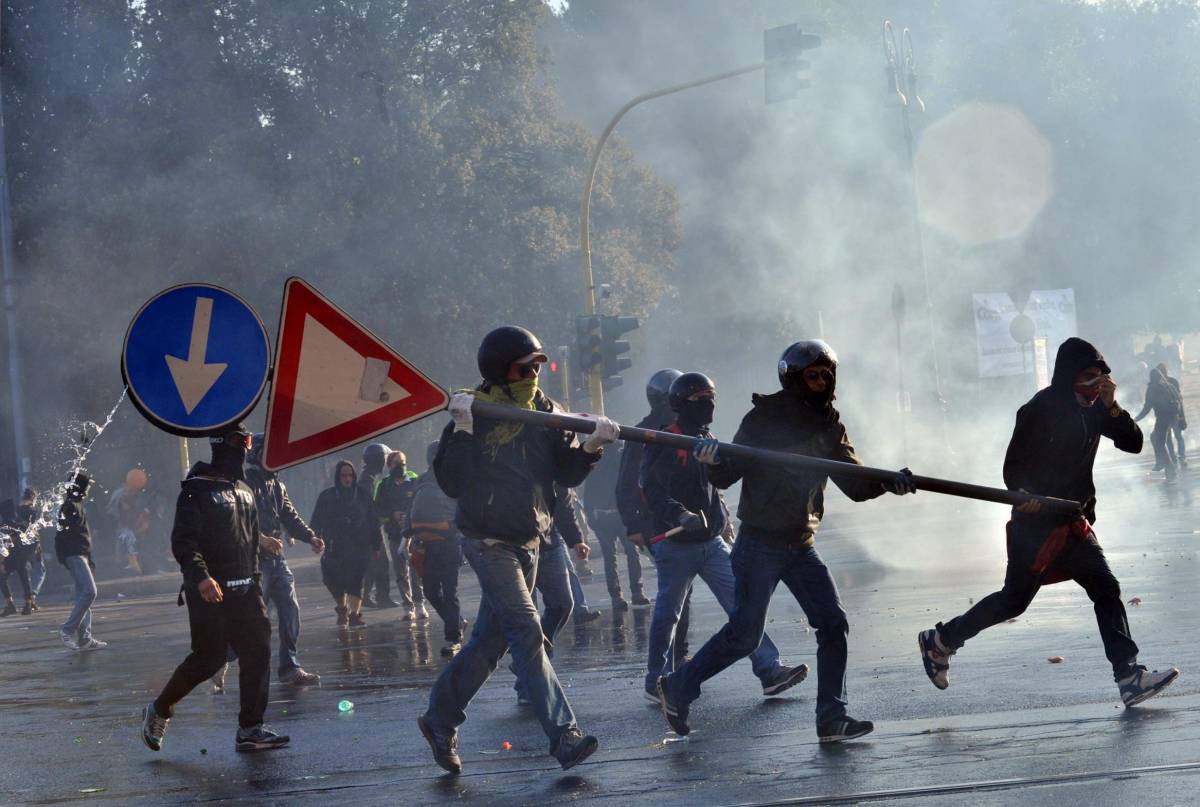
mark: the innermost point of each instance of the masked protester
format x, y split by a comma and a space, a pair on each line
689, 519
435, 549
1167, 404
29, 547
1051, 453
345, 519
780, 511
503, 475
277, 515
1181, 423
73, 549
378, 577
216, 541
393, 500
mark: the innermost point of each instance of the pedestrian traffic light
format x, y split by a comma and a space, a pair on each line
783, 69
587, 343
613, 348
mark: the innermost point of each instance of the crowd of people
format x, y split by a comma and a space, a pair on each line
501, 494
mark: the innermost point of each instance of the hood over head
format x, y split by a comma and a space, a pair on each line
1075, 355
337, 473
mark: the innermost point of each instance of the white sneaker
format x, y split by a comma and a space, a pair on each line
218, 680
935, 656
409, 615
1142, 685
93, 644
68, 640
422, 613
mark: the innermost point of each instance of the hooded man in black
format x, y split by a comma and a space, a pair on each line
1167, 402
215, 541
1051, 453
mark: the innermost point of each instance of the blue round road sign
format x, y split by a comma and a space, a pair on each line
196, 359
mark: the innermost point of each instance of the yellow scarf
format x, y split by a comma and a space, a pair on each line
517, 393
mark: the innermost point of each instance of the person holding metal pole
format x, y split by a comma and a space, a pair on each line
686, 539
503, 472
780, 510
1051, 453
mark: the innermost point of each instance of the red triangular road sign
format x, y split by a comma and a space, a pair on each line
336, 383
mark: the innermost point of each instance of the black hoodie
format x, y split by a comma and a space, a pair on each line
635, 512
216, 528
1054, 441
345, 517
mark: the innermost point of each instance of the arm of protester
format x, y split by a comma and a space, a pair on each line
859, 490
658, 466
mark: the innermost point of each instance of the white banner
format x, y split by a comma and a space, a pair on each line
1053, 315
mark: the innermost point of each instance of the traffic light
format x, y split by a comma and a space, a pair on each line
587, 343
613, 348
783, 69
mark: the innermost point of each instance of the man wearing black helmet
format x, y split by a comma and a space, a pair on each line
780, 511
503, 474
215, 540
638, 520
1051, 453
689, 518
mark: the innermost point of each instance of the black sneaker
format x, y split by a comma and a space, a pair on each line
10, 608
387, 603
573, 747
639, 601
675, 712
260, 738
843, 729
28, 609
33, 603
300, 678
154, 728
619, 604
1142, 685
784, 679
445, 749
583, 617
450, 649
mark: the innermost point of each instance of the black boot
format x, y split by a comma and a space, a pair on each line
10, 608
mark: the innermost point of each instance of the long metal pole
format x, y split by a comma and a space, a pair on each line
595, 378
16, 387
582, 425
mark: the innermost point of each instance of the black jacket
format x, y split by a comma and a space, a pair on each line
600, 491
345, 518
505, 490
394, 495
635, 515
566, 521
73, 536
1054, 441
1164, 398
216, 528
276, 513
784, 506
673, 483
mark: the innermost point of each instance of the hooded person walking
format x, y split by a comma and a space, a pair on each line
1051, 453
1167, 403
344, 518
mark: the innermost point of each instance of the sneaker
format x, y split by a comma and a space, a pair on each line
843, 729
33, 603
154, 728
28, 609
523, 699
409, 616
936, 657
68, 640
357, 621
343, 617
367, 602
300, 678
388, 603
619, 604
652, 695
675, 712
445, 748
92, 644
1142, 685
639, 601
583, 617
10, 608
218, 680
259, 738
450, 649
784, 679
573, 747
422, 614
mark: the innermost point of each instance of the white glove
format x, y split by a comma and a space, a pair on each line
460, 410
606, 432
705, 451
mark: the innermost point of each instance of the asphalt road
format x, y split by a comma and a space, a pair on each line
1011, 728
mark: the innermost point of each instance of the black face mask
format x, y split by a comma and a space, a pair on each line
228, 459
398, 471
697, 413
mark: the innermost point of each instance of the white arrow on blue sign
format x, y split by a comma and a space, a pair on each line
196, 359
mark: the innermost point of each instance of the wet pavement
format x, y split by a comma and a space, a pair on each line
1012, 727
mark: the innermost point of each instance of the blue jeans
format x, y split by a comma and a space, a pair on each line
678, 565
554, 583
279, 587
79, 623
507, 621
577, 595
757, 569
37, 565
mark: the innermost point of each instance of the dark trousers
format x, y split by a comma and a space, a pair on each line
379, 577
609, 532
1083, 561
19, 561
1160, 438
1180, 444
443, 559
240, 621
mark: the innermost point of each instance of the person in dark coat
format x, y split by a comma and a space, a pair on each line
1166, 401
73, 549
1051, 453
393, 500
435, 549
344, 518
1181, 423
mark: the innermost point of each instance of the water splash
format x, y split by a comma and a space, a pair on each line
83, 435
